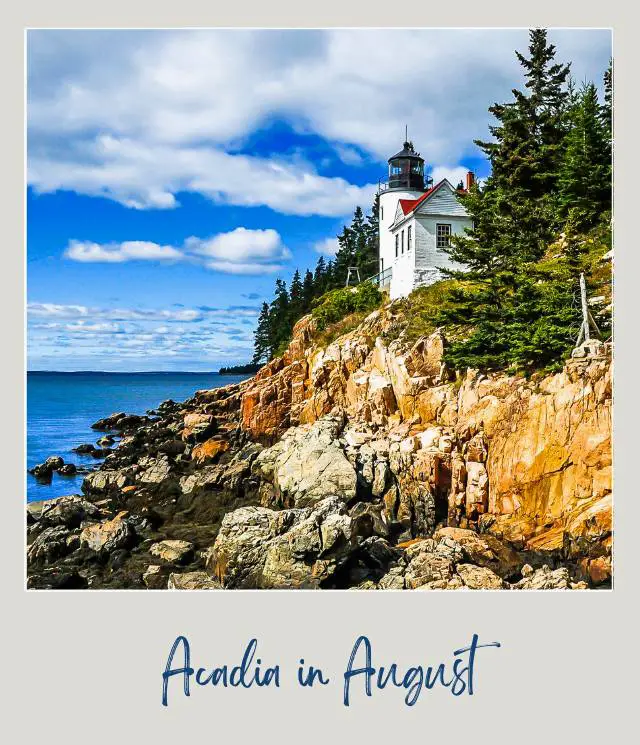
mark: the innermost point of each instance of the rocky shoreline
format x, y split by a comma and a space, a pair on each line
362, 465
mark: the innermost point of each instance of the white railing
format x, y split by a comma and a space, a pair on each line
382, 279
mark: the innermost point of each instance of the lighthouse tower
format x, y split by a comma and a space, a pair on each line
417, 222
406, 181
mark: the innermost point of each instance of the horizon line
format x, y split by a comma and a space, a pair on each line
131, 372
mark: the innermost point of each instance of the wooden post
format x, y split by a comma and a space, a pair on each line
585, 309
588, 321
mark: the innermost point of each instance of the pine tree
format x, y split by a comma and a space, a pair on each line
607, 107
585, 171
344, 258
607, 116
532, 128
261, 346
295, 297
330, 277
368, 260
320, 277
279, 321
308, 291
358, 246
514, 317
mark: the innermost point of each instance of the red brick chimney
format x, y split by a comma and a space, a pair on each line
470, 180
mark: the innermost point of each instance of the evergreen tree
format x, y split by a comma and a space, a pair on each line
320, 277
279, 321
330, 277
358, 246
308, 290
514, 316
368, 260
607, 107
295, 298
261, 346
585, 172
345, 256
607, 115
531, 128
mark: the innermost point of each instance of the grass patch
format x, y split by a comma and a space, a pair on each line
424, 305
336, 305
340, 328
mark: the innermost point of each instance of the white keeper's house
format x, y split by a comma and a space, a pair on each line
416, 222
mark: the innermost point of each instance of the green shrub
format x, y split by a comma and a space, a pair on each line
337, 304
424, 306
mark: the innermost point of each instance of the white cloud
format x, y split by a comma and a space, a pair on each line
240, 244
142, 175
240, 251
94, 328
84, 333
328, 246
50, 310
140, 116
86, 251
454, 174
230, 267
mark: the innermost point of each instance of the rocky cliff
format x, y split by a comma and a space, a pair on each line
364, 463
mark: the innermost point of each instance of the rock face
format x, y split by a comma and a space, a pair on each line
360, 464
306, 466
297, 548
527, 460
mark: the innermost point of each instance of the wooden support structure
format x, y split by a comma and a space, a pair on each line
588, 322
355, 271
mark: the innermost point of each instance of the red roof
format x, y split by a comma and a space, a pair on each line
409, 205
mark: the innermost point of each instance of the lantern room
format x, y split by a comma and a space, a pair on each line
406, 169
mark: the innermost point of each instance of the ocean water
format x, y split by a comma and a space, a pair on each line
61, 407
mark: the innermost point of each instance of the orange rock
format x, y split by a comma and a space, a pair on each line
545, 442
209, 449
600, 569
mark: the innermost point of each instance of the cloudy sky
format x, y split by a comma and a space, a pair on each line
173, 175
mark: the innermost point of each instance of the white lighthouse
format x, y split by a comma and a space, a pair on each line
416, 222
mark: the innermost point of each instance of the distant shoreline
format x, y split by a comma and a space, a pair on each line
123, 372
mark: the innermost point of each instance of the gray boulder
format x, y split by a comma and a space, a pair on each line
49, 545
479, 578
173, 551
295, 548
307, 465
108, 536
103, 482
69, 511
543, 579
154, 470
192, 581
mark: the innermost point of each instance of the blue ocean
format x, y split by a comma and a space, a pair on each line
61, 407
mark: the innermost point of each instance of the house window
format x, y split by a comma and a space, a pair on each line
443, 235
397, 239
409, 238
381, 212
402, 242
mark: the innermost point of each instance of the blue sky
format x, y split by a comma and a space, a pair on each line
174, 175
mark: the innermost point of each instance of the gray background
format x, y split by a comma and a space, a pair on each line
87, 666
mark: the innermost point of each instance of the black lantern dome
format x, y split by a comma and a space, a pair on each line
406, 169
